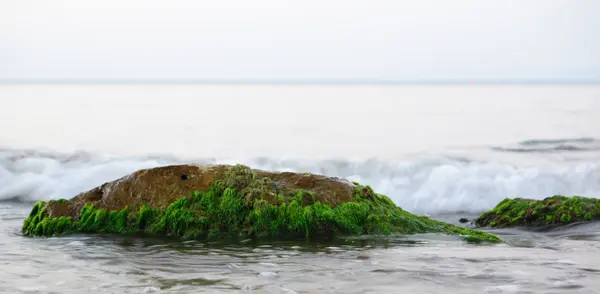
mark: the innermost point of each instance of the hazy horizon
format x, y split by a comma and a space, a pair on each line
307, 82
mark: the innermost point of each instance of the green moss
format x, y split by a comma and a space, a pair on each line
565, 218
39, 224
549, 211
243, 205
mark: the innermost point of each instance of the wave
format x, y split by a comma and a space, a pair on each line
558, 148
552, 145
427, 185
535, 142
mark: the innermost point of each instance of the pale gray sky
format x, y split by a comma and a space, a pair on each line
307, 40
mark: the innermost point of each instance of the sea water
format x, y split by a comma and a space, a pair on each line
447, 151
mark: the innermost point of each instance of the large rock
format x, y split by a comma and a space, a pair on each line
553, 210
199, 202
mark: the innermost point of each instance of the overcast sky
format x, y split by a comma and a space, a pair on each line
301, 40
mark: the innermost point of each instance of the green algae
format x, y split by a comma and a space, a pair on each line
549, 211
241, 205
38, 223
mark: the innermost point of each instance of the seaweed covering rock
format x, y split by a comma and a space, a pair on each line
549, 211
216, 201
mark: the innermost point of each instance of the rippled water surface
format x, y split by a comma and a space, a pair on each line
549, 262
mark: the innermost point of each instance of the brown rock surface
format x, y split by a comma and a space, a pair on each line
161, 186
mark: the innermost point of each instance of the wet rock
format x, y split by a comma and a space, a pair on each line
549, 211
213, 201
463, 220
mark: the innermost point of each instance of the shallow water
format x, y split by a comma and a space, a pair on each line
445, 151
530, 263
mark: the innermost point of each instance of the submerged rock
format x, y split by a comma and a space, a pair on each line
463, 220
213, 201
549, 211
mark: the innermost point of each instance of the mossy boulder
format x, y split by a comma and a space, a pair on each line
216, 201
553, 210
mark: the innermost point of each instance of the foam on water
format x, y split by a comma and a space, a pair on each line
423, 185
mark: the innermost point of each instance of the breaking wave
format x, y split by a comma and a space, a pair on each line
422, 185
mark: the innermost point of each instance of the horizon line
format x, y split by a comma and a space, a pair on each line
299, 82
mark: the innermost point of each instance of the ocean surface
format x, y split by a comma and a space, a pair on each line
447, 151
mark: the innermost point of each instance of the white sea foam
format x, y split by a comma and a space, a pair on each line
422, 185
